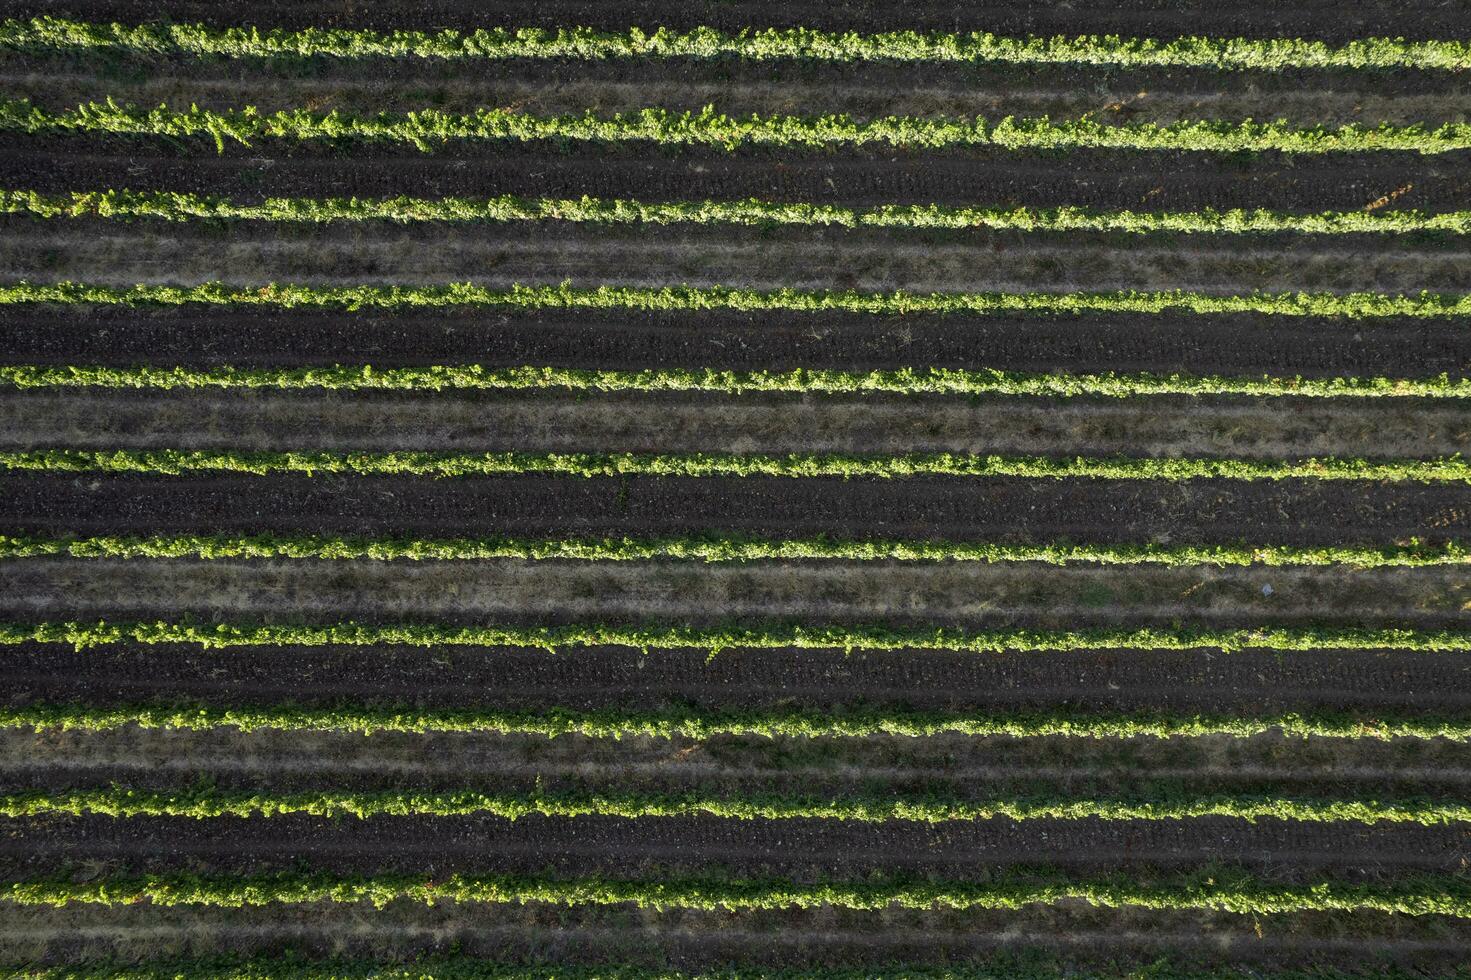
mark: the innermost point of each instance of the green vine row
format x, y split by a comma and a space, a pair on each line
1272, 54
212, 803
719, 548
695, 298
427, 128
713, 639
556, 722
1215, 891
796, 465
182, 206
902, 381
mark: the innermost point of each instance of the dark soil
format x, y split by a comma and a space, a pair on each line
803, 849
954, 767
780, 940
1212, 511
1249, 682
1156, 18
1235, 345
1154, 181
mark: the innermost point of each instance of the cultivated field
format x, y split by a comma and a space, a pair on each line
663, 490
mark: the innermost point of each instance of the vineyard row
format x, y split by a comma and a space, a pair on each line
221, 636
213, 803
720, 548
795, 465
555, 722
183, 206
807, 381
1215, 890
693, 298
1275, 54
426, 128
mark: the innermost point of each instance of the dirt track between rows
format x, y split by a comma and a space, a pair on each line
994, 177
1312, 18
1230, 345
769, 680
966, 594
369, 421
587, 256
1007, 509
954, 766
802, 849
778, 940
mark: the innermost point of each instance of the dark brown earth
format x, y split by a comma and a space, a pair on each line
1194, 511
1153, 181
806, 850
692, 940
1155, 18
585, 256
1232, 345
913, 595
612, 678
953, 767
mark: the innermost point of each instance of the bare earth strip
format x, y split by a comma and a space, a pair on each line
1096, 178
969, 593
969, 767
1238, 345
621, 680
1314, 18
1272, 512
733, 768
805, 850
587, 256
381, 422
778, 940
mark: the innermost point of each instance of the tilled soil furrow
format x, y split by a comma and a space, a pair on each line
1008, 509
1312, 18
514, 590
627, 680
314, 761
1115, 97
1236, 345
805, 850
777, 940
1154, 181
500, 255
369, 421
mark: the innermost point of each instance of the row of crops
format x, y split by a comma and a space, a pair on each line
1455, 468
177, 206
128, 829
